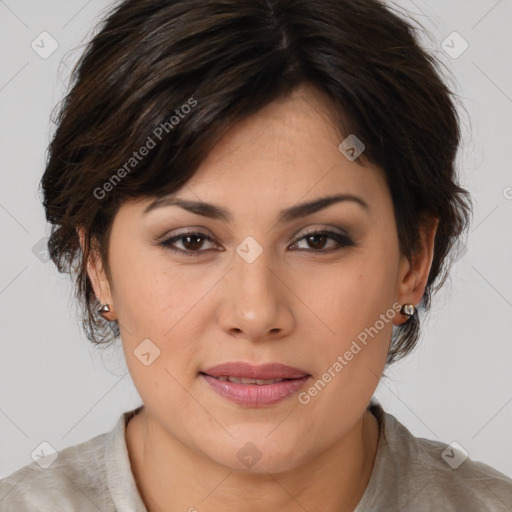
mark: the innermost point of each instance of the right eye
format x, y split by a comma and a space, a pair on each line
193, 239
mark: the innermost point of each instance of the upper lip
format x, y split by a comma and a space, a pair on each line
242, 369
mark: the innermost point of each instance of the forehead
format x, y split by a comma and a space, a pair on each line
286, 151
283, 156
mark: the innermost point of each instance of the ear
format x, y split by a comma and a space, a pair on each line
98, 276
413, 276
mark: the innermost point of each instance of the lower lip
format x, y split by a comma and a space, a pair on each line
254, 395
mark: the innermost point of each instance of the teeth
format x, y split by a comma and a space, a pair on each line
260, 382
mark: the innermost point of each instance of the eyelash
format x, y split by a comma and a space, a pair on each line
341, 239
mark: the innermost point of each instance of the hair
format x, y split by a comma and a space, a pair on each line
225, 60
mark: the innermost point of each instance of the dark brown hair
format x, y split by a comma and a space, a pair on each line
226, 59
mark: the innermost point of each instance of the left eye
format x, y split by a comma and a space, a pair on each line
194, 241
320, 237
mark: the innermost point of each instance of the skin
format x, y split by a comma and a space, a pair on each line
297, 304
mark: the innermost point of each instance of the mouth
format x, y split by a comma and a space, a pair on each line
255, 386
237, 371
245, 380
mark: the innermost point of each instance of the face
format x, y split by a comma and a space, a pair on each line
317, 292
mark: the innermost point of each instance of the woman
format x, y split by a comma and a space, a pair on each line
259, 198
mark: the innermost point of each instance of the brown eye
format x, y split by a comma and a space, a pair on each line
317, 240
191, 242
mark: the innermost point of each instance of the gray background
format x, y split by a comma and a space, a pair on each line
54, 387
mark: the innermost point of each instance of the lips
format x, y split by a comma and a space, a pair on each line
255, 386
246, 373
243, 380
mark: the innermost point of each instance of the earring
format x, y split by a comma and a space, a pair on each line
408, 309
104, 308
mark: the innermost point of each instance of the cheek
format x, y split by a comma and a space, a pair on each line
155, 305
353, 293
353, 306
145, 292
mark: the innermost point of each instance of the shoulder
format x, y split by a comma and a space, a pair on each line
74, 480
464, 483
435, 475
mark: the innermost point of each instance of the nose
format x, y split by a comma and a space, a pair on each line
256, 302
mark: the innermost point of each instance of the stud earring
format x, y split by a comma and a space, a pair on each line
408, 310
104, 308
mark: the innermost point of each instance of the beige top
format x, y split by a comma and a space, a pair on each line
410, 474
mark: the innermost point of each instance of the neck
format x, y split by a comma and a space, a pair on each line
338, 475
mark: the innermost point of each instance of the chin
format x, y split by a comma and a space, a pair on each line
258, 456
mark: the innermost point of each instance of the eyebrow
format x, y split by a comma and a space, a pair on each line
287, 215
